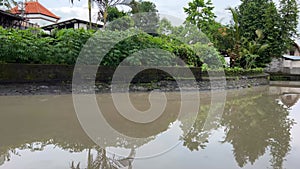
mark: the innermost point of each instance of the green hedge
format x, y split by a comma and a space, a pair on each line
233, 72
33, 46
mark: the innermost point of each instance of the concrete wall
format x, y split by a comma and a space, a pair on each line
280, 65
291, 67
26, 73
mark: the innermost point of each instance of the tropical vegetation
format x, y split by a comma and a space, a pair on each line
259, 31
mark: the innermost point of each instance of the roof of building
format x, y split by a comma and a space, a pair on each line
34, 7
67, 22
289, 57
8, 14
289, 100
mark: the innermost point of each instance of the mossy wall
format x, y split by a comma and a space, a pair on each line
37, 73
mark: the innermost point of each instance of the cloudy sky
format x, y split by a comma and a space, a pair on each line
65, 10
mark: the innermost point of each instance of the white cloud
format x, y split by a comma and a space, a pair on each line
75, 12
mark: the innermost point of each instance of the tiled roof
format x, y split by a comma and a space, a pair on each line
35, 8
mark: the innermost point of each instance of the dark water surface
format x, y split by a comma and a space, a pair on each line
259, 128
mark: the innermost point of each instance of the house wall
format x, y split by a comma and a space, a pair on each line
291, 67
80, 25
41, 20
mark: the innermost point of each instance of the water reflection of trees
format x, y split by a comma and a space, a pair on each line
196, 137
103, 161
253, 125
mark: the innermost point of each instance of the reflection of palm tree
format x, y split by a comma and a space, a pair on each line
103, 162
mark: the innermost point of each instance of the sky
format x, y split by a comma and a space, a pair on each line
66, 10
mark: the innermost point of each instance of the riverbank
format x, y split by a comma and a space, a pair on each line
25, 79
164, 86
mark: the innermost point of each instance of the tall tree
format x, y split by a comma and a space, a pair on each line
104, 5
262, 15
90, 3
145, 15
251, 18
201, 14
289, 21
114, 13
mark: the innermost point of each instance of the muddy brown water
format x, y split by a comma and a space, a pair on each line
258, 128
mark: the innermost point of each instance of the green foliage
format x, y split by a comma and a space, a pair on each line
69, 43
200, 13
251, 51
198, 41
189, 34
103, 7
165, 27
121, 24
234, 72
141, 49
64, 46
209, 56
278, 25
114, 13
145, 16
289, 21
142, 6
33, 46
243, 72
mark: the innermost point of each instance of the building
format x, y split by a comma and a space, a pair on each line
72, 23
295, 50
35, 13
291, 65
9, 20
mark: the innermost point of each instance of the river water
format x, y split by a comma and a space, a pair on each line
254, 128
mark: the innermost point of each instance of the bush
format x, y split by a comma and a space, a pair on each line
33, 46
209, 56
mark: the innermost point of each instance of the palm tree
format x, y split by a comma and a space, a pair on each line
103, 6
8, 3
90, 3
234, 53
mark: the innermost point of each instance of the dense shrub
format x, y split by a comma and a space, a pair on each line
236, 71
142, 49
34, 46
63, 47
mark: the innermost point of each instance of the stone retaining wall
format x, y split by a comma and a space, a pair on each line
34, 73
56, 79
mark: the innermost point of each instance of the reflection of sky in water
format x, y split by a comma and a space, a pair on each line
164, 141
293, 157
50, 158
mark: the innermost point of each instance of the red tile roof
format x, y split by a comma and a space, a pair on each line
35, 8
